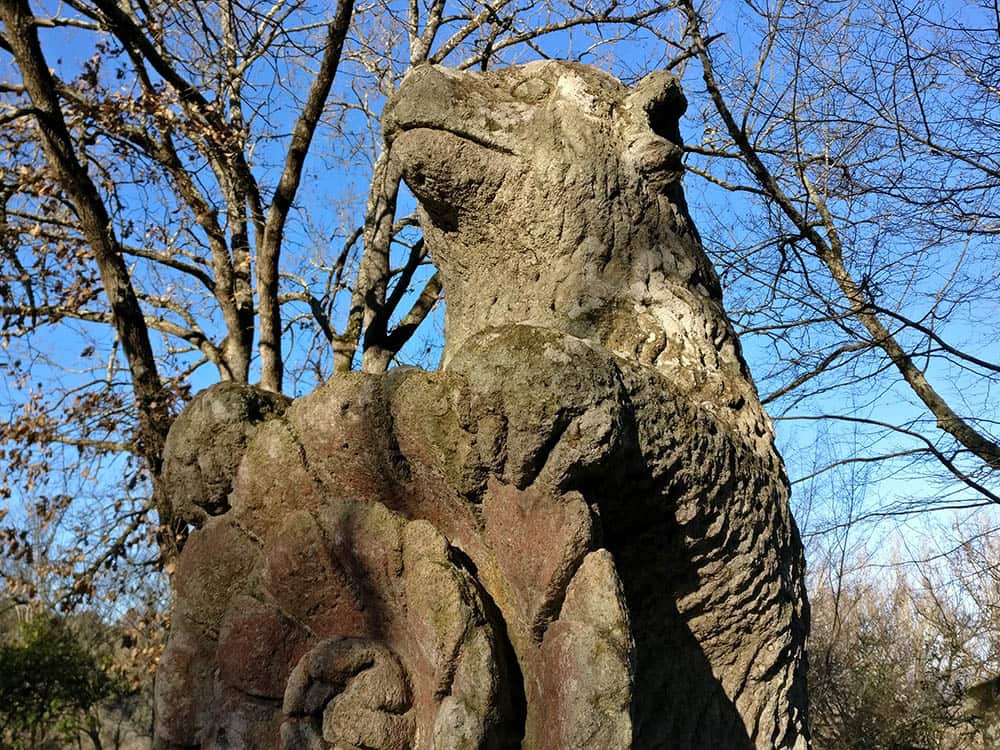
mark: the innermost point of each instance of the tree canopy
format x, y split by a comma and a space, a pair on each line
49, 684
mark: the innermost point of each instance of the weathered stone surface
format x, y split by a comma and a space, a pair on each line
206, 444
551, 197
587, 690
539, 541
185, 698
576, 535
360, 691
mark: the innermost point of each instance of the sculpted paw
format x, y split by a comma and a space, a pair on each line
348, 693
206, 444
563, 417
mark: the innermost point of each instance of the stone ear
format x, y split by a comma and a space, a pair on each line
659, 97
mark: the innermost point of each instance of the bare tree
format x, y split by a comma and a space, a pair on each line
861, 139
899, 652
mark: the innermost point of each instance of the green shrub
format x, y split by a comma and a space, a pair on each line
49, 685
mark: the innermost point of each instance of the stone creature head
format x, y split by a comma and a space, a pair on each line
550, 195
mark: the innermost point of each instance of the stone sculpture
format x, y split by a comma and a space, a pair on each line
575, 535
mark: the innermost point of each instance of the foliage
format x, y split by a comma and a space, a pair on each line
873, 678
49, 685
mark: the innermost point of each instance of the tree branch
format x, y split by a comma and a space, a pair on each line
830, 252
270, 248
96, 226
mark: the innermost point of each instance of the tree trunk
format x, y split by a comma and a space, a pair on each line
152, 401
